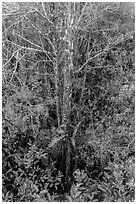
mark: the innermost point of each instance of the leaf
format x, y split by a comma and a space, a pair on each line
51, 185
92, 187
69, 198
82, 188
91, 197
49, 196
78, 193
108, 168
73, 191
101, 189
84, 175
46, 185
60, 131
107, 175
104, 179
40, 200
78, 185
55, 140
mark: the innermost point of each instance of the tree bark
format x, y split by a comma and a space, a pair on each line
68, 66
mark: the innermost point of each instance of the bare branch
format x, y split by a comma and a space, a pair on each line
45, 35
81, 14
30, 48
29, 41
76, 129
106, 49
45, 14
41, 41
16, 22
11, 57
119, 39
14, 68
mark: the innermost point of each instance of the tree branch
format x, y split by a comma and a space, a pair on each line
108, 47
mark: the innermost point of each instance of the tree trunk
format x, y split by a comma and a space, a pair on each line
68, 66
63, 67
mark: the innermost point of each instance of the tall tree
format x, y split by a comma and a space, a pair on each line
66, 66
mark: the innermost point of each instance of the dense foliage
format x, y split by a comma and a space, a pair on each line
68, 69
